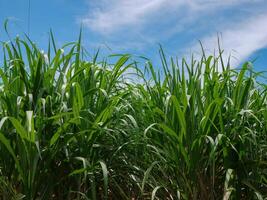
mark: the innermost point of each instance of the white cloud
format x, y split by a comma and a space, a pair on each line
138, 24
240, 40
112, 15
106, 16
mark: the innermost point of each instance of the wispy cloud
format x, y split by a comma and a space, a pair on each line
140, 24
113, 15
239, 40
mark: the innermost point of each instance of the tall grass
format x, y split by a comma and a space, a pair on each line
73, 128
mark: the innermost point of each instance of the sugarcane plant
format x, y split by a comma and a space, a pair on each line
77, 126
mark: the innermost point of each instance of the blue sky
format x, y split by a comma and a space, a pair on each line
138, 26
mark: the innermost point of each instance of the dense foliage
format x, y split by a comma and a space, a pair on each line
77, 129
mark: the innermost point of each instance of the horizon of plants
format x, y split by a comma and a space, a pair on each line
78, 128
